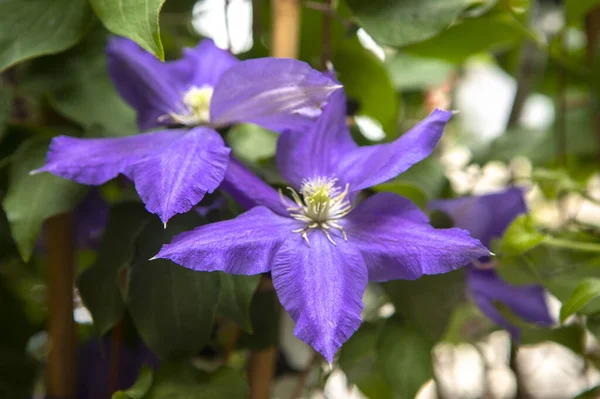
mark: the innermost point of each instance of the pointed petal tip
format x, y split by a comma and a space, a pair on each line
36, 171
455, 111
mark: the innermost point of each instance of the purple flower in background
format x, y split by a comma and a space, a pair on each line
173, 169
96, 365
487, 217
320, 248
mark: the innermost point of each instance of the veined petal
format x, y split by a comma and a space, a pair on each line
175, 179
275, 93
526, 301
319, 151
152, 87
485, 216
321, 287
370, 165
249, 190
210, 62
397, 242
95, 161
244, 245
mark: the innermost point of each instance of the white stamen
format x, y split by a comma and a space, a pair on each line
322, 206
196, 110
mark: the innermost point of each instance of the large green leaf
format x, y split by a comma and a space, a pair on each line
172, 307
583, 294
469, 37
32, 199
141, 386
409, 72
182, 381
135, 19
404, 357
365, 79
520, 236
429, 301
30, 28
235, 297
252, 143
410, 191
398, 23
101, 285
264, 316
6, 97
575, 10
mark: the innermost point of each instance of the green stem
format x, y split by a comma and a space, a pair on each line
576, 245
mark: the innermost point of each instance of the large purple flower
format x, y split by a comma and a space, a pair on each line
207, 88
487, 217
320, 248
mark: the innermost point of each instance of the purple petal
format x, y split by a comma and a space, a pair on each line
210, 62
397, 243
319, 151
249, 190
175, 179
152, 87
275, 93
95, 161
321, 287
526, 301
90, 217
370, 165
244, 245
485, 216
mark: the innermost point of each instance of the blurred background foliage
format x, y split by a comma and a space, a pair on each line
523, 75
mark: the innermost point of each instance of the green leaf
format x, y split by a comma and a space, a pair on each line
182, 381
398, 23
409, 72
135, 19
101, 285
235, 297
575, 10
264, 315
429, 301
30, 28
365, 78
252, 143
139, 388
404, 357
407, 190
584, 293
32, 199
6, 98
469, 37
172, 307
572, 337
428, 175
520, 236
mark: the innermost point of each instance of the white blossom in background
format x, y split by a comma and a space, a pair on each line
459, 371
209, 20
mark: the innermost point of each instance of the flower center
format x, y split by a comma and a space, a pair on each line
197, 104
322, 206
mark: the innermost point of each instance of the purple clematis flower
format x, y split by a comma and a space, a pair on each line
207, 88
487, 217
320, 247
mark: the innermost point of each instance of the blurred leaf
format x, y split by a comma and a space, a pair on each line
235, 296
6, 98
572, 337
398, 23
135, 19
554, 182
365, 78
251, 143
520, 236
139, 388
182, 381
409, 72
172, 307
575, 10
358, 360
404, 357
78, 87
100, 285
30, 28
584, 293
428, 175
467, 324
32, 199
469, 37
264, 316
592, 393
407, 190
429, 301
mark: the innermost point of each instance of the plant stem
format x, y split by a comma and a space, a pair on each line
261, 368
303, 376
286, 28
115, 357
61, 369
326, 43
592, 30
575, 245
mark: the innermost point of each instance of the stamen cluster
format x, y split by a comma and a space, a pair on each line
322, 206
197, 104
